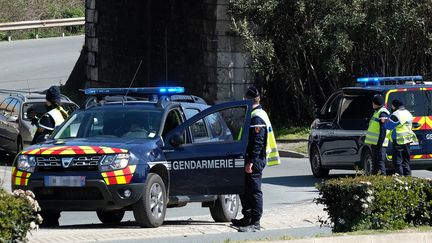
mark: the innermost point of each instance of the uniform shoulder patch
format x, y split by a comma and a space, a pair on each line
257, 129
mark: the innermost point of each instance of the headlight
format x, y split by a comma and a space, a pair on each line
26, 163
114, 162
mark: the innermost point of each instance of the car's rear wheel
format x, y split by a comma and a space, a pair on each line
110, 217
149, 211
225, 208
367, 162
50, 218
315, 162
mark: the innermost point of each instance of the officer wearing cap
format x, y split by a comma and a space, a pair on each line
401, 135
261, 150
376, 135
54, 117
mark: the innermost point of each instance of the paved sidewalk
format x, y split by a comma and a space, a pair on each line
290, 216
415, 237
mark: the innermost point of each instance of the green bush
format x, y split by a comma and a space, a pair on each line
18, 215
376, 202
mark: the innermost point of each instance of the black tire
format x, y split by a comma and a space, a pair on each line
50, 218
149, 211
315, 161
111, 217
225, 208
367, 162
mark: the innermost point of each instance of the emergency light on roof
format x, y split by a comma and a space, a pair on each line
378, 80
124, 91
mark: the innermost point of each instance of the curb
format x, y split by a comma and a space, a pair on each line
298, 140
417, 237
292, 154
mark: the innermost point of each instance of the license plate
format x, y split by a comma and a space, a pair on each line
64, 181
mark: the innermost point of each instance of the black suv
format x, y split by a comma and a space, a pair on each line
139, 149
337, 134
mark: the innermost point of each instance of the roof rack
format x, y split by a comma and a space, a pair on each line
395, 80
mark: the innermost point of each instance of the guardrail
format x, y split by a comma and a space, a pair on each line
37, 24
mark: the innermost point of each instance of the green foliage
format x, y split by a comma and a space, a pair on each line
376, 202
292, 132
303, 50
18, 214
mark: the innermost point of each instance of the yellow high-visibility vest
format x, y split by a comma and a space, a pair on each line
373, 132
404, 132
272, 154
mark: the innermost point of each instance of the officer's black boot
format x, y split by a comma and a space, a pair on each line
254, 227
241, 222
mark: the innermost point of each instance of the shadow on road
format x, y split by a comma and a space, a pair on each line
132, 225
300, 180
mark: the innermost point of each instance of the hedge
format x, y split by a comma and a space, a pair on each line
18, 215
376, 202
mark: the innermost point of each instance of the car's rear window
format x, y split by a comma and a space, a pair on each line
417, 102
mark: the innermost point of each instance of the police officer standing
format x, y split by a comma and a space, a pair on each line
401, 135
376, 135
261, 150
53, 118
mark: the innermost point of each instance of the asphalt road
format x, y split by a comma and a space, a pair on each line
38, 64
289, 183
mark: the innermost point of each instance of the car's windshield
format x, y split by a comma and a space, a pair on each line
36, 110
112, 123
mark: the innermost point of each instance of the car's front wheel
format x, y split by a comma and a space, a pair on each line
225, 208
149, 211
110, 217
315, 162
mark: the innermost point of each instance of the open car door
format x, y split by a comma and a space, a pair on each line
212, 166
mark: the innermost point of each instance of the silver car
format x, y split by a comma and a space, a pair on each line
16, 128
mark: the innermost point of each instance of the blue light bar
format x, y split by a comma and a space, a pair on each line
383, 79
124, 91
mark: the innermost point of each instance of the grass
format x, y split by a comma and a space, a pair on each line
292, 132
300, 148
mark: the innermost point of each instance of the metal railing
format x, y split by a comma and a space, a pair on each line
37, 24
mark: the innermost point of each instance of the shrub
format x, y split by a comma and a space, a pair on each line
376, 202
18, 215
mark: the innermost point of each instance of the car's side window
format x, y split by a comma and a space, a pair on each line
214, 122
198, 129
331, 108
227, 124
356, 110
173, 119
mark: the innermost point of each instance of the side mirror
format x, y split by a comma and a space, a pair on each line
42, 138
176, 140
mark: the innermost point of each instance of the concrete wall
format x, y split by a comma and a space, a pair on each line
184, 43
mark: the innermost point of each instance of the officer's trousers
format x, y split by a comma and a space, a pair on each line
378, 158
252, 199
401, 159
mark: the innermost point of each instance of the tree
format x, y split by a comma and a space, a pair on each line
303, 50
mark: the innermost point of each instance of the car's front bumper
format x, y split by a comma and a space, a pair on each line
95, 195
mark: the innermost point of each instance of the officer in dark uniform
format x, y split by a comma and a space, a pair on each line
54, 117
255, 161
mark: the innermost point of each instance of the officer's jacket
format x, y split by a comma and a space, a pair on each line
256, 148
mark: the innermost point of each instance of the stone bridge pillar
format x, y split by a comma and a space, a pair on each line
187, 43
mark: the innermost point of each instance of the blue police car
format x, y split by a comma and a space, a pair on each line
139, 149
337, 134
